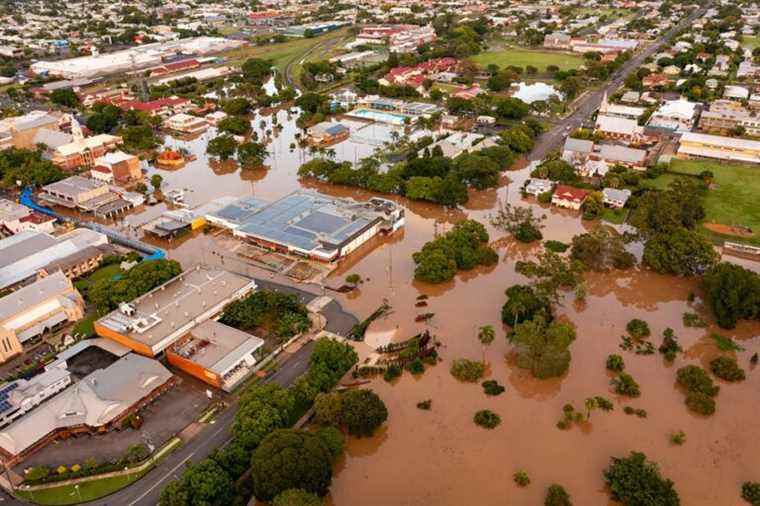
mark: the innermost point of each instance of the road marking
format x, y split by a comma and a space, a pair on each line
182, 462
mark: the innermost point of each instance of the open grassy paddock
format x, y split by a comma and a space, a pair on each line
282, 53
733, 200
522, 57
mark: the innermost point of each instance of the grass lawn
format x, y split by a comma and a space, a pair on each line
282, 53
750, 41
615, 216
734, 200
522, 57
105, 272
88, 491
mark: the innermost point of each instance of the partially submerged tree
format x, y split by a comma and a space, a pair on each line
543, 347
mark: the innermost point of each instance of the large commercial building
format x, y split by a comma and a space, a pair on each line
29, 130
218, 354
97, 403
27, 254
86, 195
20, 396
694, 145
398, 38
136, 58
311, 225
29, 312
154, 321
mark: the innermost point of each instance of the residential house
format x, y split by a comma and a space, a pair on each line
569, 197
615, 198
327, 133
536, 187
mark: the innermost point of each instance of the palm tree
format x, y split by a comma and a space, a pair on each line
517, 309
486, 335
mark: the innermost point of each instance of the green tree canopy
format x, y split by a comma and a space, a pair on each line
362, 412
288, 459
543, 347
635, 481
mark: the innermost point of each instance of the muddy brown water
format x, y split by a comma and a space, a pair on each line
440, 456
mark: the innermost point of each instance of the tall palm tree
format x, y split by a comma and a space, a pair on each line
486, 335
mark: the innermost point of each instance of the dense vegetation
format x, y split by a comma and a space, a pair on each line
635, 481
27, 167
464, 247
733, 293
274, 312
263, 409
542, 347
699, 387
107, 293
431, 177
523, 304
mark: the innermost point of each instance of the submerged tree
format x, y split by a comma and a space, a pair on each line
543, 347
519, 221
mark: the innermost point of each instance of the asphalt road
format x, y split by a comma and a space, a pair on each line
552, 140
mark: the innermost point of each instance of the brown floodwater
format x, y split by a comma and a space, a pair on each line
440, 456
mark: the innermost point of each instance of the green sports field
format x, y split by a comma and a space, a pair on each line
522, 57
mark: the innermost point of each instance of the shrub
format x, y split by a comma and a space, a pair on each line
556, 246
693, 320
492, 387
556, 495
669, 347
603, 403
700, 403
416, 366
635, 481
487, 419
626, 385
425, 405
629, 410
37, 473
638, 329
751, 492
695, 379
392, 372
62, 469
678, 438
521, 478
727, 369
467, 370
615, 363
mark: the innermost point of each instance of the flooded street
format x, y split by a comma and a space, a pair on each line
440, 456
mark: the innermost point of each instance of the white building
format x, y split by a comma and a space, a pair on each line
678, 115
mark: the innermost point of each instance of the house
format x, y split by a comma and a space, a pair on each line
27, 313
123, 167
678, 115
615, 198
695, 145
652, 81
154, 321
577, 151
217, 354
327, 133
569, 197
186, 124
468, 93
615, 154
536, 187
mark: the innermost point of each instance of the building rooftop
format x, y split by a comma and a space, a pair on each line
307, 221
73, 186
215, 346
12, 211
95, 401
32, 295
615, 153
579, 145
164, 314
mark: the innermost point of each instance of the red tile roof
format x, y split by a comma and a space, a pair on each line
570, 193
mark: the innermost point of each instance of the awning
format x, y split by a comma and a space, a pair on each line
40, 327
